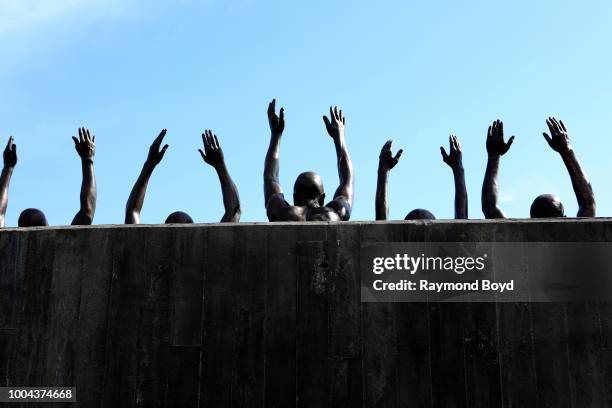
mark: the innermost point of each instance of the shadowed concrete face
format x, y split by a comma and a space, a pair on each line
32, 217
308, 187
420, 214
179, 217
547, 206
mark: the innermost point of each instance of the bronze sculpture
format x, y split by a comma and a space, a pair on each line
308, 192
545, 205
33, 217
212, 154
386, 161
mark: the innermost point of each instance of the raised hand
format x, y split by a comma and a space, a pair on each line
212, 153
559, 139
85, 145
335, 126
155, 154
496, 147
455, 158
495, 139
386, 160
10, 153
277, 122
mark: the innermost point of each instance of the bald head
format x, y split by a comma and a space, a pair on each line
308, 188
420, 214
32, 217
179, 217
547, 206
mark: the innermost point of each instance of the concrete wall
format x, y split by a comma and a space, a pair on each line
269, 315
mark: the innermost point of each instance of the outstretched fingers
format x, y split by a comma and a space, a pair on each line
335, 115
272, 107
557, 125
206, 138
457, 143
158, 140
553, 126
387, 146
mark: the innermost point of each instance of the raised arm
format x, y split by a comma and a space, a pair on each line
343, 197
137, 195
386, 161
455, 162
10, 160
213, 155
277, 126
86, 148
496, 147
559, 141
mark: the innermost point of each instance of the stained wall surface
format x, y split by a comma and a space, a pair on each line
269, 315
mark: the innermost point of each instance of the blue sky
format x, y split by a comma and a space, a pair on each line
410, 71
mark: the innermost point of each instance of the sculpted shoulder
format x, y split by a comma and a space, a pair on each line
288, 213
322, 214
300, 213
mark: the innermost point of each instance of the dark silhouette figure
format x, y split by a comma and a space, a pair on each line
212, 155
545, 205
455, 161
387, 161
32, 217
10, 160
308, 192
135, 201
86, 148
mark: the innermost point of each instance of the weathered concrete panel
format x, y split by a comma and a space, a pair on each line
269, 315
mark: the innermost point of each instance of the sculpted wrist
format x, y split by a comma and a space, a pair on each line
458, 168
566, 152
220, 166
150, 164
382, 168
